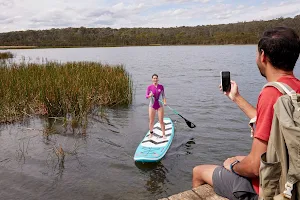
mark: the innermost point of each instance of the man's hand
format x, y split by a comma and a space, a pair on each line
233, 93
240, 158
228, 161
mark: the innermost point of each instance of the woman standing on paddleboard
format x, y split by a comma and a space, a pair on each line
156, 94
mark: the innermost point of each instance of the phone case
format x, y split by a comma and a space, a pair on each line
225, 81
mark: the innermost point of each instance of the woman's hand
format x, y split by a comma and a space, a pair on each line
150, 94
165, 102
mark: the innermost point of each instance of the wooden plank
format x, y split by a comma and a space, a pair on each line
187, 195
206, 192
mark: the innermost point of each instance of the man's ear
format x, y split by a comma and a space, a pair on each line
263, 57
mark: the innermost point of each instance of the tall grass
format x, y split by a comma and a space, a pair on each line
60, 90
6, 55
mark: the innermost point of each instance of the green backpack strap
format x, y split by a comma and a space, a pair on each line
284, 89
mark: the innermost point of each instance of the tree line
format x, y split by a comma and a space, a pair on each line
233, 33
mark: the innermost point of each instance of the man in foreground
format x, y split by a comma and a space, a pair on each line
278, 52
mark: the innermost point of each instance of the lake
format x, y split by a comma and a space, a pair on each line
100, 164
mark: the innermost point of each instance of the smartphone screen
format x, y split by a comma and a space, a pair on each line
225, 81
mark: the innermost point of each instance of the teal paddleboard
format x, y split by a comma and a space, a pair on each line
153, 149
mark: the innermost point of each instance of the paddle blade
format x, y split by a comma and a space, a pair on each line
190, 124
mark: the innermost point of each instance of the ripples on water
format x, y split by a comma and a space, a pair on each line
100, 164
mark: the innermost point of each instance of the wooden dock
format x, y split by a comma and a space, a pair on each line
204, 192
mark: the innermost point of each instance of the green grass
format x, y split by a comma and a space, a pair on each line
6, 55
61, 90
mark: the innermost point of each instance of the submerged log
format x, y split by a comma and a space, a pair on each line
204, 192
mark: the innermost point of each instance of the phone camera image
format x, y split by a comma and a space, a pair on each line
225, 81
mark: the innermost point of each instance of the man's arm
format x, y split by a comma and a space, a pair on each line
249, 166
246, 107
235, 96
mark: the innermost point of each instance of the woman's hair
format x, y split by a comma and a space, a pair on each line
154, 75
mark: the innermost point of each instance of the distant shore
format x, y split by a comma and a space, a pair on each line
17, 47
241, 33
150, 45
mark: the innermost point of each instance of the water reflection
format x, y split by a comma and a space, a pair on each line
155, 184
63, 126
23, 150
56, 169
189, 146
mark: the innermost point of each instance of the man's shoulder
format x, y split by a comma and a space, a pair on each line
270, 91
291, 81
268, 96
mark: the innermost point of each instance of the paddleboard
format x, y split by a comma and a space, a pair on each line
153, 149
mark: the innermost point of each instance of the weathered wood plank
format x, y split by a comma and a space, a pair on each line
206, 192
187, 195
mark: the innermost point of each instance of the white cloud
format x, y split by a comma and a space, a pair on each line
37, 14
287, 9
6, 3
187, 1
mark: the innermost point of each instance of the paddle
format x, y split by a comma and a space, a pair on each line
190, 124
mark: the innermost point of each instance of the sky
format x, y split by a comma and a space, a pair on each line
18, 15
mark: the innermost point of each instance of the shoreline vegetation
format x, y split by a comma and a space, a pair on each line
223, 34
68, 47
17, 47
69, 91
6, 55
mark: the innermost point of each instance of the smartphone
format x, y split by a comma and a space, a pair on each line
225, 81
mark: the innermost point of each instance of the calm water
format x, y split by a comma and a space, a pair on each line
100, 165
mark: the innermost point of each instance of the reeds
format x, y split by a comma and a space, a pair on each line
6, 55
68, 90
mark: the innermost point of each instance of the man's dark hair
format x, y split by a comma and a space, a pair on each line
155, 75
281, 45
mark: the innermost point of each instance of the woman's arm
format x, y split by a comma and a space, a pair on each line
164, 96
148, 93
